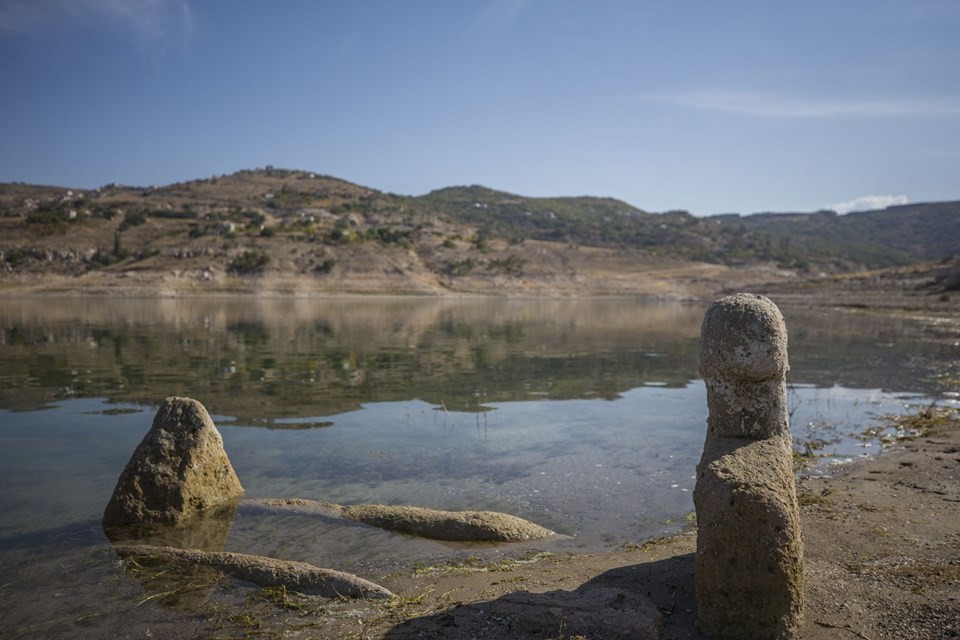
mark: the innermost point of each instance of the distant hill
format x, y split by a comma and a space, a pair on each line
894, 236
872, 239
307, 229
584, 220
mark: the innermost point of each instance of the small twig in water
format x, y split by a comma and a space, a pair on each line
444, 407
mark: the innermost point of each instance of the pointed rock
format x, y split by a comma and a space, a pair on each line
179, 469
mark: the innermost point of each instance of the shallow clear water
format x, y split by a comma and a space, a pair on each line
598, 471
586, 416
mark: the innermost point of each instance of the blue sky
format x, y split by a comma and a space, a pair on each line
712, 106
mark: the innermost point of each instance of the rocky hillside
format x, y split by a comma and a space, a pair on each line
894, 236
280, 230
822, 240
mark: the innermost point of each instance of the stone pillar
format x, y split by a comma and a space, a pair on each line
749, 566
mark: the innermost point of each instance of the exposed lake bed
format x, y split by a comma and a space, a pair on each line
563, 412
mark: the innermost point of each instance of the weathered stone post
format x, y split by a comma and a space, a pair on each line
178, 470
749, 566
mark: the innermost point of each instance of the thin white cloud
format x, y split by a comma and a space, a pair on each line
766, 105
867, 203
154, 24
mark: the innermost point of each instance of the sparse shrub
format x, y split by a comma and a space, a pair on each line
118, 251
14, 257
482, 240
342, 233
249, 262
132, 219
101, 259
388, 235
460, 267
45, 217
512, 264
255, 218
326, 266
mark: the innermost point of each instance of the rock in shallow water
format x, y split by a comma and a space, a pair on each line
452, 526
266, 572
178, 470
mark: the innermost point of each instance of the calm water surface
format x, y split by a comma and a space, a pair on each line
585, 416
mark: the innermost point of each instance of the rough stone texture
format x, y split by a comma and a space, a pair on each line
267, 572
179, 469
448, 525
743, 360
749, 565
454, 526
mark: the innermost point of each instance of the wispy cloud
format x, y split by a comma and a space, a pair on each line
154, 24
765, 105
867, 203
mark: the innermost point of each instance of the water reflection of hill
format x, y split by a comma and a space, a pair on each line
265, 358
262, 358
863, 350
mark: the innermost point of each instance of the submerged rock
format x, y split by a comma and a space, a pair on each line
208, 533
464, 526
266, 572
453, 526
178, 470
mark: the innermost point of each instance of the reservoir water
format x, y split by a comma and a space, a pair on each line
585, 416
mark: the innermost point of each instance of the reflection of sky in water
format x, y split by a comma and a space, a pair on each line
585, 467
602, 471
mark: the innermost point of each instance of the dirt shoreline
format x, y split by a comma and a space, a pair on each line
916, 289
